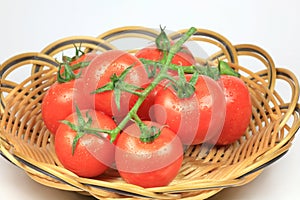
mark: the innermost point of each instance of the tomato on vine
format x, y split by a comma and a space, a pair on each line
105, 79
153, 160
195, 114
114, 96
80, 145
59, 100
238, 109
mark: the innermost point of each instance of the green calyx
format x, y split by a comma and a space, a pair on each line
66, 70
225, 69
183, 88
117, 84
162, 41
78, 54
148, 134
83, 127
67, 74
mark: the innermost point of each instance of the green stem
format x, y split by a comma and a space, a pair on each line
126, 88
80, 65
96, 130
187, 69
178, 45
212, 71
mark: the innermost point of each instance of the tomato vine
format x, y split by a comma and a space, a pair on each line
158, 70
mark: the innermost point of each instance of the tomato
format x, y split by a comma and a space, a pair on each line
183, 58
150, 164
238, 109
92, 155
59, 102
100, 71
196, 119
60, 98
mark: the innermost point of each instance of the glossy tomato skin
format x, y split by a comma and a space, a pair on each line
148, 164
99, 72
182, 58
196, 119
92, 155
238, 109
60, 100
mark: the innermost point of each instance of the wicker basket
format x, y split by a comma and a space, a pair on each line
26, 142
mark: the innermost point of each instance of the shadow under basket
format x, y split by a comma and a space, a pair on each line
26, 142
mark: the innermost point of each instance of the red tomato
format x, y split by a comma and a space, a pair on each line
238, 109
99, 73
196, 119
151, 164
60, 99
92, 154
182, 58
59, 102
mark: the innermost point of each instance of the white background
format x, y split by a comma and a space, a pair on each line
273, 25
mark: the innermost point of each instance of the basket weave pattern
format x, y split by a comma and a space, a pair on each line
25, 141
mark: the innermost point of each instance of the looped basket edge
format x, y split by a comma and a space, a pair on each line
26, 142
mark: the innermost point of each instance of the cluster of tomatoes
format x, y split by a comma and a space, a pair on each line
136, 112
